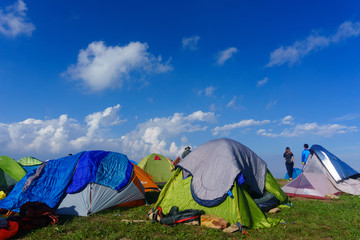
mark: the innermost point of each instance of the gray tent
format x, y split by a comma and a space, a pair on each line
211, 160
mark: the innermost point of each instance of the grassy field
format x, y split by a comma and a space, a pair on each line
307, 219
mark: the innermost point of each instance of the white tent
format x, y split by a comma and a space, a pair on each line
323, 174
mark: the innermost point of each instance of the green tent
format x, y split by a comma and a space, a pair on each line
29, 161
10, 172
227, 169
158, 166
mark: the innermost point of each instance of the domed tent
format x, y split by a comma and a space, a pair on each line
80, 184
224, 178
29, 163
10, 173
158, 166
324, 173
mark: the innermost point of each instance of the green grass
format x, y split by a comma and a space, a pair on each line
307, 219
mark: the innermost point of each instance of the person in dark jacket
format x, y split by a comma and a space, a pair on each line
186, 152
289, 162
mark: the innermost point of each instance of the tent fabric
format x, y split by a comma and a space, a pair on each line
338, 169
86, 170
114, 171
48, 188
95, 179
296, 172
240, 206
319, 176
215, 166
29, 161
145, 179
12, 168
30, 168
157, 166
95, 197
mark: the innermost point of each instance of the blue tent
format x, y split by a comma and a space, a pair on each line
78, 177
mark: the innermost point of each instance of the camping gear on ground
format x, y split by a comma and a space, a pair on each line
157, 166
29, 163
222, 177
32, 215
36, 215
80, 184
10, 173
323, 174
175, 216
8, 228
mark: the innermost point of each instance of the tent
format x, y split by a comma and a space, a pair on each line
29, 163
296, 172
157, 166
224, 178
145, 179
80, 184
10, 173
324, 173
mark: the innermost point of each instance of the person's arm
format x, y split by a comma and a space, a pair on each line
303, 158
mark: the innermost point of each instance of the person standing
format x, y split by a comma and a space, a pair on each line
289, 162
186, 152
305, 154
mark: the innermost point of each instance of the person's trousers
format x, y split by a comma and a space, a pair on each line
289, 168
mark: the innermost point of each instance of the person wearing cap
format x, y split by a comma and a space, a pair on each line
186, 152
305, 154
289, 162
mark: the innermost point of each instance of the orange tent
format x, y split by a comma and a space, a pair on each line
145, 179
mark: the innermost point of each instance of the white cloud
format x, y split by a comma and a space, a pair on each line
155, 134
262, 82
190, 42
294, 53
325, 130
59, 136
241, 124
347, 117
212, 107
14, 22
100, 67
225, 55
235, 103
271, 104
232, 102
208, 91
288, 120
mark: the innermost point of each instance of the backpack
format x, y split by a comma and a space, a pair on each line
35, 215
175, 216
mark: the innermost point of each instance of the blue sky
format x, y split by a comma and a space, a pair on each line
138, 77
